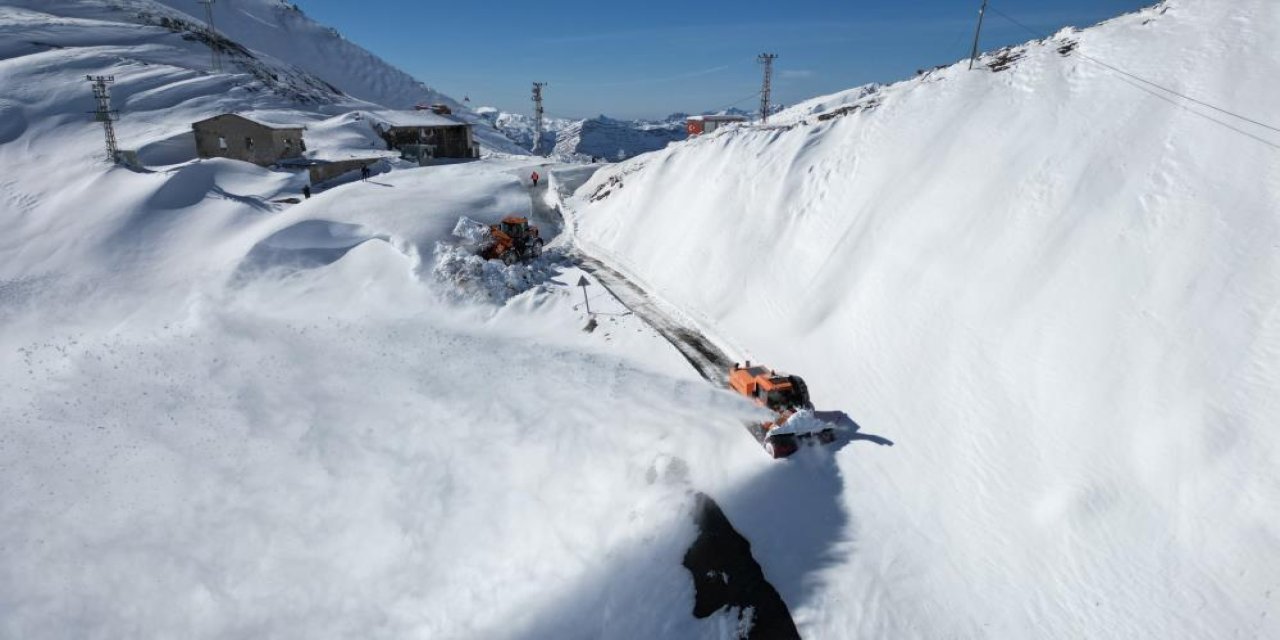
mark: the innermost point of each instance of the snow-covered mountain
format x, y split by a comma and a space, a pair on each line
609, 139
1052, 284
602, 138
273, 58
281, 30
519, 127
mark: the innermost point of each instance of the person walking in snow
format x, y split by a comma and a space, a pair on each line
535, 177
364, 172
306, 191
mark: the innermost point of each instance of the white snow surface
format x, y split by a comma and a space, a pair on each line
229, 416
1057, 294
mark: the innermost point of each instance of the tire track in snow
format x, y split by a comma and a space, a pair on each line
719, 549
706, 358
709, 360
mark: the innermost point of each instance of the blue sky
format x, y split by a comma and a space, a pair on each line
649, 59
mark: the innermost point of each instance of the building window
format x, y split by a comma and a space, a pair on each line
222, 143
248, 143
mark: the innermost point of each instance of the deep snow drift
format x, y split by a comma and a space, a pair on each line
1054, 291
225, 415
228, 419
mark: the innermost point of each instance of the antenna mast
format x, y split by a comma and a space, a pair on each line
213, 38
104, 113
767, 88
537, 116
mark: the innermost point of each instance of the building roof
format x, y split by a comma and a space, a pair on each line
268, 120
398, 119
718, 118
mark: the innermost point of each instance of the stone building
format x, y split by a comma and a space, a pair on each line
440, 136
249, 139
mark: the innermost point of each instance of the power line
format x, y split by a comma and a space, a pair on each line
1145, 81
1211, 119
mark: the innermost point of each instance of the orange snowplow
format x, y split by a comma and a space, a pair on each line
513, 240
785, 395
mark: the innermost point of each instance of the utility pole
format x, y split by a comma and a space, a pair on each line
537, 117
767, 60
976, 36
584, 283
104, 113
213, 38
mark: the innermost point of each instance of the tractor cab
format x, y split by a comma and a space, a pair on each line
515, 227
781, 393
769, 388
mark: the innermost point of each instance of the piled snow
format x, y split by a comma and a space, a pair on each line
1055, 291
467, 276
801, 422
343, 137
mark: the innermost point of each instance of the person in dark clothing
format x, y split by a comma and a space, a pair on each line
306, 191
364, 172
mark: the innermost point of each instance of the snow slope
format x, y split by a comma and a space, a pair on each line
228, 415
163, 54
1056, 292
280, 29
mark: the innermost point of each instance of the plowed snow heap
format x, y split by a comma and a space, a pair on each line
788, 397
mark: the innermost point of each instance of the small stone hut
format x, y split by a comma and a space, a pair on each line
251, 139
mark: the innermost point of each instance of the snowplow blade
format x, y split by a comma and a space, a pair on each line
785, 436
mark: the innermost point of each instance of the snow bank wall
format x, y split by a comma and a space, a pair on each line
1054, 290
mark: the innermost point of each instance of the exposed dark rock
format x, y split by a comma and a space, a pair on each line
726, 575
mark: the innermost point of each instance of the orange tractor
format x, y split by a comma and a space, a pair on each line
785, 395
513, 240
